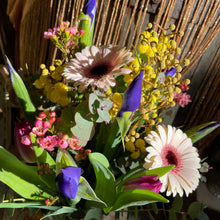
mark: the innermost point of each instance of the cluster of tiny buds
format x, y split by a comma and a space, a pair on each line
82, 154
44, 169
42, 120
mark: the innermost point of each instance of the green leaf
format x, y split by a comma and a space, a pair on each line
83, 130
150, 215
136, 197
201, 131
86, 39
44, 157
36, 205
194, 209
2, 195
23, 179
124, 124
105, 180
177, 203
85, 191
202, 216
172, 215
21, 93
155, 209
144, 57
94, 214
63, 210
183, 216
64, 159
93, 102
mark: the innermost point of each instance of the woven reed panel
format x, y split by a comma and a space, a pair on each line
120, 22
117, 22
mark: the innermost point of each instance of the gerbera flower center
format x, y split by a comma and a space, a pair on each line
99, 71
170, 156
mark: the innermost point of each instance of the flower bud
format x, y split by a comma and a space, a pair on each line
22, 129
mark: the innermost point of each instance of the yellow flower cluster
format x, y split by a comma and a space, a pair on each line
116, 98
51, 83
134, 144
158, 54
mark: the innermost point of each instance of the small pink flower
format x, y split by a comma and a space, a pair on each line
39, 131
38, 123
182, 99
26, 140
74, 143
47, 124
82, 32
22, 130
73, 31
42, 115
52, 114
48, 142
63, 143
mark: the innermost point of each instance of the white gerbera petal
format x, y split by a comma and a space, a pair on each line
97, 65
172, 147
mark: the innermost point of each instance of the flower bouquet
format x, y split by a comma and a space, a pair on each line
91, 133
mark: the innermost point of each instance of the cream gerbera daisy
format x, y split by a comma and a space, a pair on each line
170, 146
96, 66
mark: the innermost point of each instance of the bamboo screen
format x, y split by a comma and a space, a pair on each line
117, 22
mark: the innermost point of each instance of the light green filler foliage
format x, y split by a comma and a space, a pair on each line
21, 93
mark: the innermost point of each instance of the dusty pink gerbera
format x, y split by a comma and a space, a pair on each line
96, 66
170, 146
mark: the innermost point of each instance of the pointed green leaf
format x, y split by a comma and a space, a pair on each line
136, 197
124, 125
23, 179
105, 180
64, 159
63, 210
201, 131
36, 205
21, 93
85, 191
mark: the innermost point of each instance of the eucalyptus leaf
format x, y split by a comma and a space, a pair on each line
202, 216
194, 209
21, 93
177, 203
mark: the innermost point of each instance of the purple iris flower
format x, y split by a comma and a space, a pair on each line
89, 9
170, 72
23, 129
68, 180
148, 182
132, 96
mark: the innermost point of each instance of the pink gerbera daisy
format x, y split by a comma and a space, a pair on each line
170, 146
96, 66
